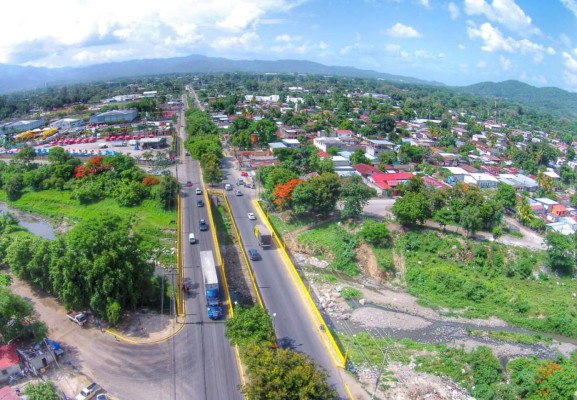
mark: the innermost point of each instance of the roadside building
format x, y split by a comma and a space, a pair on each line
153, 143
9, 362
376, 147
67, 123
114, 116
21, 126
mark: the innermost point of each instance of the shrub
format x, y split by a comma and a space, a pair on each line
375, 233
350, 293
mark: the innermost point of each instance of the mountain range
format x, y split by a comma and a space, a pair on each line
17, 78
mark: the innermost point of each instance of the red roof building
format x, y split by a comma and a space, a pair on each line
366, 170
389, 181
435, 183
7, 393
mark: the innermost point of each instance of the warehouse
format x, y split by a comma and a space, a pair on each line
114, 116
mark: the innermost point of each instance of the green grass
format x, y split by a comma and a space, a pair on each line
222, 225
384, 258
513, 337
156, 225
349, 293
443, 272
292, 224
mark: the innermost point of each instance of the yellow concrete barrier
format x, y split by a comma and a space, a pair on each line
303, 289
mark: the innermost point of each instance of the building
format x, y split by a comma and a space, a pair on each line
376, 147
9, 362
153, 143
485, 181
325, 143
67, 123
7, 393
387, 183
292, 143
21, 126
519, 181
114, 116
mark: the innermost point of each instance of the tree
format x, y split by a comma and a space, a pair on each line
333, 151
14, 186
17, 318
375, 233
319, 195
507, 195
282, 193
212, 172
284, 375
266, 130
276, 176
168, 192
250, 325
355, 195
524, 211
26, 155
443, 217
560, 253
359, 157
41, 391
471, 219
570, 153
412, 208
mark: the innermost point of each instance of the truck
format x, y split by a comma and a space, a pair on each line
263, 235
211, 286
77, 317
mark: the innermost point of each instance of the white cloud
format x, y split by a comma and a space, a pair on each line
245, 41
323, 46
493, 41
40, 33
571, 5
454, 10
570, 72
403, 31
425, 3
461, 46
570, 62
392, 47
565, 40
505, 12
505, 63
287, 38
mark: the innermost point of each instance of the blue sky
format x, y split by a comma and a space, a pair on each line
456, 42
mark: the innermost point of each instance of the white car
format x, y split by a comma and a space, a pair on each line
87, 391
198, 191
251, 216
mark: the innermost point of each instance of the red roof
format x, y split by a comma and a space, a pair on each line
387, 181
366, 169
7, 393
323, 154
437, 184
8, 356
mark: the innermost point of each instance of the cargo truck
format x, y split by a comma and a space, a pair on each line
211, 287
263, 235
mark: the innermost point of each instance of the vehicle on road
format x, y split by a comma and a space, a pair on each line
228, 186
188, 183
251, 216
77, 317
102, 396
198, 191
238, 192
240, 182
200, 203
253, 254
211, 287
191, 238
202, 225
88, 392
263, 235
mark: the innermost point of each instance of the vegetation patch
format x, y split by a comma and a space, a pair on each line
513, 337
349, 293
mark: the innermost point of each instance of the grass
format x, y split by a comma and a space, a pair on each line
349, 293
222, 225
513, 337
384, 258
156, 225
283, 227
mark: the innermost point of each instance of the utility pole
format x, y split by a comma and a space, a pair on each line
385, 356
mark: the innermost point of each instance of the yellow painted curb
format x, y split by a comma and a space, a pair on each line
127, 340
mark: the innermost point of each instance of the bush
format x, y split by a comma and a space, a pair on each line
114, 313
375, 233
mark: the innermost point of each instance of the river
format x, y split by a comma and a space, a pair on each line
31, 222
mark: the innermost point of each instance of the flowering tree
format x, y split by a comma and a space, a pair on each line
282, 192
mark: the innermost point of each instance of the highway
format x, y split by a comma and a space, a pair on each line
293, 324
201, 348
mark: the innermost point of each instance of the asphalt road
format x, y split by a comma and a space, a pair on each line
293, 324
206, 362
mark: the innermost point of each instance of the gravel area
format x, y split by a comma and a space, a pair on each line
375, 318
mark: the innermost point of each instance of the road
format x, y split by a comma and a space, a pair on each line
293, 324
201, 347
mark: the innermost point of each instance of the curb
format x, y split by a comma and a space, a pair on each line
135, 342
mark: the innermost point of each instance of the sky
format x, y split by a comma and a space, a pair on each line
456, 42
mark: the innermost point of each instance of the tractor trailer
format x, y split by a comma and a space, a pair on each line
211, 287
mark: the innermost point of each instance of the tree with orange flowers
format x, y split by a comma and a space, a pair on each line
282, 193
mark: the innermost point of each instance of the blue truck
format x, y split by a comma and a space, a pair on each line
211, 287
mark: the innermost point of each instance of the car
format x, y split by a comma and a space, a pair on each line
87, 391
253, 254
251, 216
191, 238
238, 193
102, 396
228, 186
202, 225
198, 191
188, 183
200, 203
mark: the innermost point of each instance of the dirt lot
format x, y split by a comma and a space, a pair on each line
86, 348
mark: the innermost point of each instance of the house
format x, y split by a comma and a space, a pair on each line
340, 161
519, 181
272, 146
7, 393
366, 170
376, 147
547, 203
559, 210
564, 226
9, 362
386, 183
485, 181
291, 132
291, 143
325, 143
41, 355
435, 183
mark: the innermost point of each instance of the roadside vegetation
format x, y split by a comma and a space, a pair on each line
121, 222
478, 370
273, 373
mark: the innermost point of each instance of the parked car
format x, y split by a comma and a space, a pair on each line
251, 216
253, 254
202, 225
102, 396
88, 391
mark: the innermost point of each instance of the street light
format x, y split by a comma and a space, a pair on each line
273, 317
